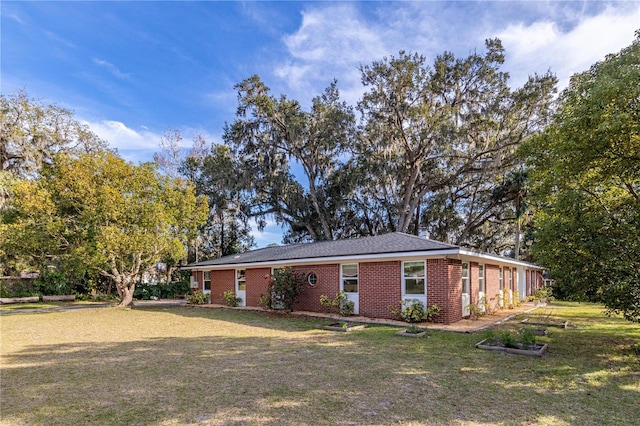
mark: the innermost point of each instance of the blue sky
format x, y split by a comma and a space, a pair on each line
133, 69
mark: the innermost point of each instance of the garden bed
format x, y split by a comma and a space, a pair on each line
342, 326
564, 324
407, 332
493, 345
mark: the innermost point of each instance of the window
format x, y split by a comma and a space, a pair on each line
350, 278
413, 276
501, 278
312, 278
465, 278
481, 278
510, 279
241, 279
206, 281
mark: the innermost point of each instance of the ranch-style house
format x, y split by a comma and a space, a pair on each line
375, 272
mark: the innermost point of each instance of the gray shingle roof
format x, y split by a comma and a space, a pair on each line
396, 242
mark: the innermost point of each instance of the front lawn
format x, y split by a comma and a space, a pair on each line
187, 365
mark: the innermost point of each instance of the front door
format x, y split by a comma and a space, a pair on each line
466, 299
241, 287
349, 284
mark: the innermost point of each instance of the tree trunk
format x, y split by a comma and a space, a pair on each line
127, 296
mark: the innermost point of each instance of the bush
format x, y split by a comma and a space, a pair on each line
341, 303
197, 298
230, 299
51, 284
264, 301
411, 310
527, 337
285, 286
432, 312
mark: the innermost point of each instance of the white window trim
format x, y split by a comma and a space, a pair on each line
468, 286
357, 277
482, 284
406, 295
204, 281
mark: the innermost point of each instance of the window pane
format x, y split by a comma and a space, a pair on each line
350, 286
481, 271
241, 274
207, 285
350, 270
207, 275
465, 270
414, 269
414, 286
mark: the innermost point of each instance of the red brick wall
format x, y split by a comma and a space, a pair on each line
444, 288
257, 280
221, 281
380, 286
328, 284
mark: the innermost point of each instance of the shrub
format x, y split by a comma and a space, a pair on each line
411, 310
285, 286
527, 337
432, 312
51, 284
341, 303
230, 298
508, 340
264, 301
197, 298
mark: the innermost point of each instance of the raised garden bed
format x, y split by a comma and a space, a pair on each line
408, 332
10, 300
493, 345
527, 321
342, 326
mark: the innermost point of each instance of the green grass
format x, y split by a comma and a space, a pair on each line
188, 365
45, 305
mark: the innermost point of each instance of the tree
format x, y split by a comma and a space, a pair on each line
268, 134
119, 219
585, 175
216, 176
437, 140
32, 133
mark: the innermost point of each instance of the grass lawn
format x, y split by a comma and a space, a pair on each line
185, 365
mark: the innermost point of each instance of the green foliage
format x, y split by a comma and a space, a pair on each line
285, 286
340, 302
264, 301
585, 171
270, 133
508, 339
411, 310
230, 299
527, 337
51, 284
197, 298
432, 312
111, 217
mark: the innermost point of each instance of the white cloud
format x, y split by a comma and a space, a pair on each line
330, 43
113, 70
544, 45
333, 40
122, 137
